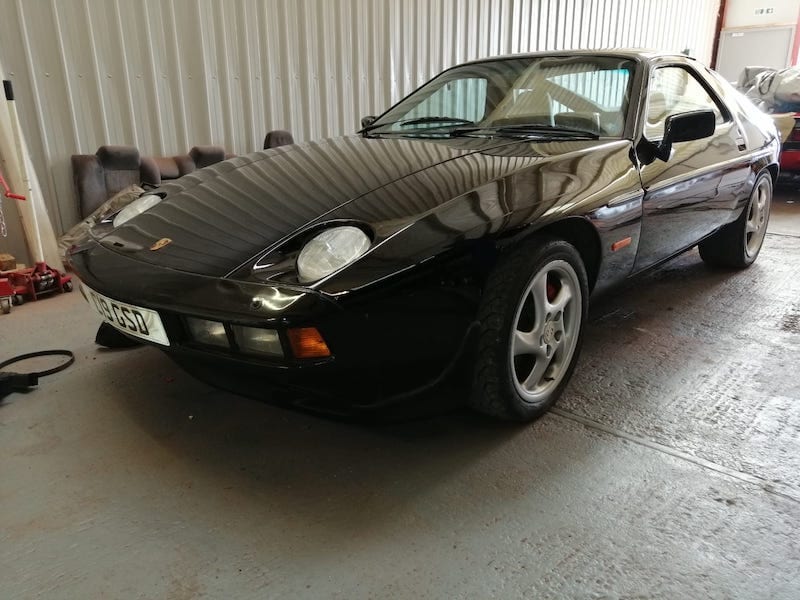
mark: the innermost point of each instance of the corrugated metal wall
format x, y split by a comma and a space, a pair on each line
165, 75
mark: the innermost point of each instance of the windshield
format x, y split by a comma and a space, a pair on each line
577, 94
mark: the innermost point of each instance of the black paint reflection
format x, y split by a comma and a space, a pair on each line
428, 196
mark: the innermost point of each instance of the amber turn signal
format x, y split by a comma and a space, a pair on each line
623, 243
307, 342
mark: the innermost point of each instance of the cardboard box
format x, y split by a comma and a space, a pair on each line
7, 262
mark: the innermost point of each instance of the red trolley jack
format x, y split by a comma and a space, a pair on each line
30, 284
19, 285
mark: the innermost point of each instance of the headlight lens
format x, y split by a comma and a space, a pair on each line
254, 340
137, 207
211, 333
330, 251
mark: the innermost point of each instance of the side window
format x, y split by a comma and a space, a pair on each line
675, 90
460, 98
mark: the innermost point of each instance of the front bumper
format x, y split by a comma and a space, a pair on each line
387, 345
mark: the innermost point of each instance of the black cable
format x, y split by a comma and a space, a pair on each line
46, 372
23, 382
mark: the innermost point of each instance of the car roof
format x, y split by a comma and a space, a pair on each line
642, 54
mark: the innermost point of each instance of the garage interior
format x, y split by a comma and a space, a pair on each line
668, 469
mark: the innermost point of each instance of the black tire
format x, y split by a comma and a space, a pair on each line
507, 351
67, 287
5, 305
737, 245
17, 299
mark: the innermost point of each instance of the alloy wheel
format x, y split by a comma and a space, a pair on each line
545, 330
757, 217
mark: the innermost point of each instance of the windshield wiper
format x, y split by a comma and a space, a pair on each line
420, 121
539, 131
518, 130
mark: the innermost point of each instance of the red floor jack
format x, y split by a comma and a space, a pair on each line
19, 285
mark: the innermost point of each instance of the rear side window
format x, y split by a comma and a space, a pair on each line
675, 90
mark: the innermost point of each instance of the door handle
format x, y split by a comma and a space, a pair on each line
741, 143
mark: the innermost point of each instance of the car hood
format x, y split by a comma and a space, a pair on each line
219, 218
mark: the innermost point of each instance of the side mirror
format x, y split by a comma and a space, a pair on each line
685, 127
689, 126
368, 120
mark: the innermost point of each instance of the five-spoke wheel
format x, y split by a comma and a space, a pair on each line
758, 216
738, 244
547, 323
531, 317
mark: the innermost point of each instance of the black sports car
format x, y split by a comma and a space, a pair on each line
455, 241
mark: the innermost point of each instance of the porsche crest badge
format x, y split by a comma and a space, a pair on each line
160, 244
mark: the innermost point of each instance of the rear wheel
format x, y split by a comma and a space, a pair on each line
738, 244
67, 286
532, 317
17, 299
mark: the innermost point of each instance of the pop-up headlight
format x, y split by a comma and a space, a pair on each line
331, 250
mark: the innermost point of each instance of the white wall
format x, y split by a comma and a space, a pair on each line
742, 13
169, 74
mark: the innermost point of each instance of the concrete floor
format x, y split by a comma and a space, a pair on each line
670, 468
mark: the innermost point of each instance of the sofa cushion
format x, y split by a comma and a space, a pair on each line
167, 167
119, 158
277, 138
204, 156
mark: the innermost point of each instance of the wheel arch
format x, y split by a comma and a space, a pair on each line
579, 232
774, 170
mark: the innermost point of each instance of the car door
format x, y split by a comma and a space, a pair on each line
689, 195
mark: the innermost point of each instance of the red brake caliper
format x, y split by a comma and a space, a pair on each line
552, 290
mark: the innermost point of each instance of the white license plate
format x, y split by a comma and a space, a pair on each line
133, 320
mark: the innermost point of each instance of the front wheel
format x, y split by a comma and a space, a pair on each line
532, 316
737, 245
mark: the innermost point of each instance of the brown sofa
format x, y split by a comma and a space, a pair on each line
172, 167
113, 168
